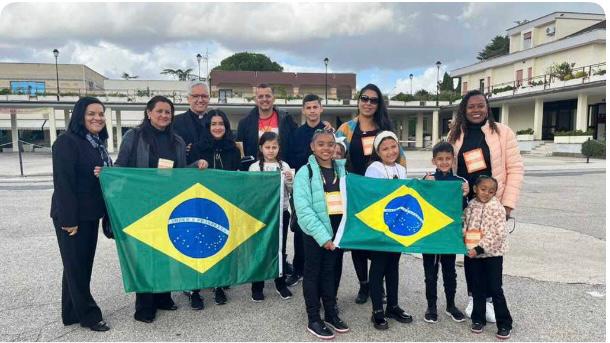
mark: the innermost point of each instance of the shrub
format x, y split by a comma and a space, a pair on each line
4, 91
529, 131
562, 71
593, 148
574, 133
579, 74
502, 89
600, 72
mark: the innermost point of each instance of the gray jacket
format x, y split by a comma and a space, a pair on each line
139, 158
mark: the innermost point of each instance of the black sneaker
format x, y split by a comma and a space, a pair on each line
219, 296
431, 315
455, 314
503, 333
398, 314
258, 296
196, 301
363, 293
477, 327
293, 279
284, 293
337, 324
320, 330
379, 321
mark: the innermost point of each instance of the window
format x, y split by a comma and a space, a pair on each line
482, 85
519, 77
464, 88
527, 40
27, 87
529, 74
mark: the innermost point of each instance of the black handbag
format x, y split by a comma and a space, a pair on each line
106, 227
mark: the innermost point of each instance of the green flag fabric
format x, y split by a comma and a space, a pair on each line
184, 229
412, 216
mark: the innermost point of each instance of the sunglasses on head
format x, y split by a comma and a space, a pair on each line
372, 101
324, 131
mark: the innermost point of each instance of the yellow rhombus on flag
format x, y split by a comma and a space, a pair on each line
154, 228
431, 220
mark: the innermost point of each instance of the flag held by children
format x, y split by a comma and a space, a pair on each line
413, 216
183, 229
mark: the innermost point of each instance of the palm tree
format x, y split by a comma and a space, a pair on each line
182, 75
126, 76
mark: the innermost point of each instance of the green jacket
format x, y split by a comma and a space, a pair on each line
310, 201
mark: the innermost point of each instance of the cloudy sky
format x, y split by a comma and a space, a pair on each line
382, 42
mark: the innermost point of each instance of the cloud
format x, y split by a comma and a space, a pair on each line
443, 17
426, 80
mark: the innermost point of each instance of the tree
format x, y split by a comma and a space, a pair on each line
403, 97
422, 95
182, 75
498, 46
447, 83
126, 76
248, 61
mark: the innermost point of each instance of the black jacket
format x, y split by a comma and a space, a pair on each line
222, 154
299, 149
77, 195
188, 126
247, 132
134, 151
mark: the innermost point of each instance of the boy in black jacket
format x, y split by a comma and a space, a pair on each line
442, 158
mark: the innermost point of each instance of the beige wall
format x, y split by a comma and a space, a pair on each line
521, 116
566, 27
515, 43
540, 36
72, 77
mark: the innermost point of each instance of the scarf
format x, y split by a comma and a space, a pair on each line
97, 144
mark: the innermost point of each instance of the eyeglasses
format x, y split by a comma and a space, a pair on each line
372, 101
200, 96
331, 130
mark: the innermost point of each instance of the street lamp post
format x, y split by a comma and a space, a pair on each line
438, 86
411, 77
198, 67
56, 53
207, 71
326, 80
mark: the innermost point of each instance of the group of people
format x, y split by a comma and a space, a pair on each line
480, 152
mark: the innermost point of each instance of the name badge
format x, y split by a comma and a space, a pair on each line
367, 145
474, 160
165, 164
334, 203
472, 238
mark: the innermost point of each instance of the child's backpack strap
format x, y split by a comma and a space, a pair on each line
310, 171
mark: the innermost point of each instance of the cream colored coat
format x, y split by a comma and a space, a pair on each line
506, 162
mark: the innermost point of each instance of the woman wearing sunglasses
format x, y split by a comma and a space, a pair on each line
359, 133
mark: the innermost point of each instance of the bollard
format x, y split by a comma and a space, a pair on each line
19, 149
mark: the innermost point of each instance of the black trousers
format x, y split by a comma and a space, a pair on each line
447, 262
338, 269
77, 253
384, 265
360, 259
487, 279
297, 260
319, 275
280, 282
147, 304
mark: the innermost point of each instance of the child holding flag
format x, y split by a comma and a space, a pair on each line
486, 239
386, 157
268, 152
442, 158
319, 209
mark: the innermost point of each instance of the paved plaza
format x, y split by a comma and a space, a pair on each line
554, 272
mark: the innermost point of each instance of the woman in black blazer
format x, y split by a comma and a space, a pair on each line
76, 208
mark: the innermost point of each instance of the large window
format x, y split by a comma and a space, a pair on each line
27, 87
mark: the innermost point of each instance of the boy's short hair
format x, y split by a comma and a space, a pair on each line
265, 85
312, 97
443, 146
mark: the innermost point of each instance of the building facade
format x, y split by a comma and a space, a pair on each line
553, 78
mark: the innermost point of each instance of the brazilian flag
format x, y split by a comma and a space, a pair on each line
184, 229
414, 216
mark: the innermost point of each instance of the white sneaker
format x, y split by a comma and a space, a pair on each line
468, 310
490, 315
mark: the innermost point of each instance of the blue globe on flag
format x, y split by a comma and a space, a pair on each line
198, 228
403, 215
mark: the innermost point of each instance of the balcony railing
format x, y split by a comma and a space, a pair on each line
578, 75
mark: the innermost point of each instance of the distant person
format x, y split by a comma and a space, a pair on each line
486, 218
268, 152
189, 125
76, 208
153, 144
484, 147
265, 117
442, 158
359, 133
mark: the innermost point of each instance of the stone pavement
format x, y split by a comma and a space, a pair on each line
554, 272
